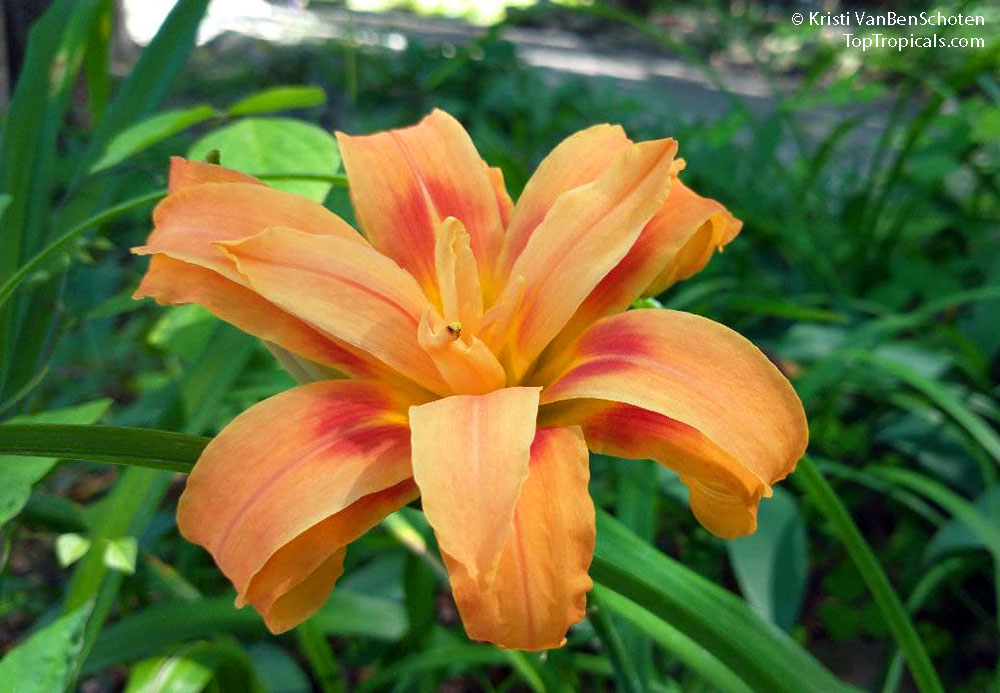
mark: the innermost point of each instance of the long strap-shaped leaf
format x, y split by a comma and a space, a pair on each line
174, 452
713, 618
889, 603
758, 652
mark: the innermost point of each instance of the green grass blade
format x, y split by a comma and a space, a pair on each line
695, 657
947, 402
317, 652
889, 603
714, 618
135, 447
60, 243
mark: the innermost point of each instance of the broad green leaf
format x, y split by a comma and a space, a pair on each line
43, 663
278, 99
352, 613
70, 548
120, 554
193, 668
277, 670
759, 653
275, 145
148, 132
771, 564
18, 474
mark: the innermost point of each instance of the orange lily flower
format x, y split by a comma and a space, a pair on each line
467, 351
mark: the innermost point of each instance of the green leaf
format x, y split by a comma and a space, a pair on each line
151, 78
70, 548
352, 613
278, 99
275, 145
759, 653
771, 564
120, 554
18, 474
695, 657
956, 535
156, 628
148, 132
174, 452
889, 603
193, 668
43, 663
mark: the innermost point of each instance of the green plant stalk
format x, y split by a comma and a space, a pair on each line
57, 245
896, 617
320, 657
626, 673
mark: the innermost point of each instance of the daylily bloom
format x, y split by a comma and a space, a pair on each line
468, 351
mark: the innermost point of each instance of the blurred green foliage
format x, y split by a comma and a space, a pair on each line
867, 269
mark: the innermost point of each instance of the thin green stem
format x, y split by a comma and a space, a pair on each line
317, 651
888, 602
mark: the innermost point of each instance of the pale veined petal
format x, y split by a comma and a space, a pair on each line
676, 243
541, 584
172, 282
345, 289
186, 173
470, 458
692, 394
584, 235
278, 494
405, 182
579, 159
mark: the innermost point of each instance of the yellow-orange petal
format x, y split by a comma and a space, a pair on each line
581, 158
505, 205
189, 223
584, 235
470, 458
701, 399
702, 224
311, 468
186, 173
465, 363
676, 243
346, 289
405, 182
172, 282
541, 583
458, 277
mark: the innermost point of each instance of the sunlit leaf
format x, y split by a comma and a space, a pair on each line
43, 663
148, 132
278, 99
275, 145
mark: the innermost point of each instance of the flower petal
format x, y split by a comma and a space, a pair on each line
541, 584
172, 282
701, 399
693, 228
579, 159
584, 235
676, 243
405, 182
288, 483
505, 205
346, 289
186, 173
470, 458
191, 221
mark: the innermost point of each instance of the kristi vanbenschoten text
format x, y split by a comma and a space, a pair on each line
890, 18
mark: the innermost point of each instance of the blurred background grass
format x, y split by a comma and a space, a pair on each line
867, 270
